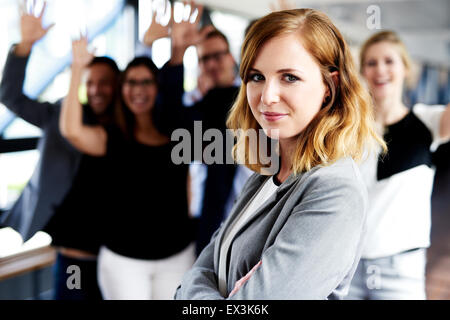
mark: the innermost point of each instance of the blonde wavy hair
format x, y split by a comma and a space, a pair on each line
344, 126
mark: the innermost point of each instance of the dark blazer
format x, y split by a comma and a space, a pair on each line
212, 111
308, 236
58, 161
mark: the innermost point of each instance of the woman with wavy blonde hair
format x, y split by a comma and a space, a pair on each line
295, 233
393, 261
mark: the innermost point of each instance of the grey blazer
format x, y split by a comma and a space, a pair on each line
58, 161
308, 236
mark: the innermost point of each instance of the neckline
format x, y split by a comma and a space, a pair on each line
401, 120
276, 181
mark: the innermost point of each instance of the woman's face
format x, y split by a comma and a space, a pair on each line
285, 89
139, 90
384, 70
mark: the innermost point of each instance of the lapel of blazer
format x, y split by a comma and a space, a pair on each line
270, 201
242, 203
247, 194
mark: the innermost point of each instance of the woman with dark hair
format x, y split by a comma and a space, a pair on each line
147, 235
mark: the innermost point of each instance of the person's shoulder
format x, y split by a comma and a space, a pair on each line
430, 116
344, 168
255, 178
424, 111
254, 181
343, 174
422, 107
339, 180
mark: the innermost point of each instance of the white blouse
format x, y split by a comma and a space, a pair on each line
262, 195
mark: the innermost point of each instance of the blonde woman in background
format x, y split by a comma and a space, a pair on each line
399, 183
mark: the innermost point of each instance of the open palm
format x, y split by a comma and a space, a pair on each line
155, 31
81, 57
186, 33
31, 26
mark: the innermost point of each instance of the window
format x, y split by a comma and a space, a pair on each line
47, 78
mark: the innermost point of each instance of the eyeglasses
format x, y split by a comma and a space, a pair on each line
143, 83
215, 56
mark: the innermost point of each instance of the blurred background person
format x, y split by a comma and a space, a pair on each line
210, 105
59, 161
401, 182
148, 233
114, 29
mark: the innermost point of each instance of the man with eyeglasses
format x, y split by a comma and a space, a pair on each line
216, 65
216, 61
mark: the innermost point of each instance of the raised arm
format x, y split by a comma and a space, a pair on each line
170, 112
11, 94
88, 139
156, 30
31, 29
444, 129
280, 5
186, 33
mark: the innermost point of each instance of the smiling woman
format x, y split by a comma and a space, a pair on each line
139, 89
155, 231
400, 186
299, 77
298, 233
279, 81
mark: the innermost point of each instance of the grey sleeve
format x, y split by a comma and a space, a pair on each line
12, 96
200, 283
317, 246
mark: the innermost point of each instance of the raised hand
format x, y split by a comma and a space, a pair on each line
81, 57
281, 5
156, 30
185, 33
31, 28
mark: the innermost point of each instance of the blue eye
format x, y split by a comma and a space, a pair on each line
256, 77
290, 77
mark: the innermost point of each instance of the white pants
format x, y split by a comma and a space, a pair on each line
397, 277
123, 278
